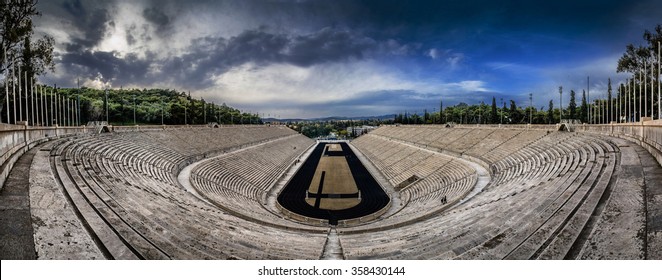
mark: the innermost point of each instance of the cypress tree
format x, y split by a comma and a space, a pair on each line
495, 118
572, 106
441, 109
550, 111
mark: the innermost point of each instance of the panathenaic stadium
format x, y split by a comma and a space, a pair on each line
267, 192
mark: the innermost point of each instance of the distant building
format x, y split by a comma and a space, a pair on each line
360, 130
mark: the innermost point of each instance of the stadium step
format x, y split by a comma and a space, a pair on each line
332, 247
59, 232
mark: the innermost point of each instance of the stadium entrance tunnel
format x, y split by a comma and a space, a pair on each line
332, 184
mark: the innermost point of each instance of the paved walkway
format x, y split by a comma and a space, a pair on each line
16, 235
58, 232
630, 227
653, 183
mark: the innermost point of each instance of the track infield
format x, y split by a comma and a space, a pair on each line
338, 181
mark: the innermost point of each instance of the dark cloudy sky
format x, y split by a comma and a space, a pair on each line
349, 58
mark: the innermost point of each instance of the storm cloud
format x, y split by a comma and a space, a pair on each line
383, 55
208, 57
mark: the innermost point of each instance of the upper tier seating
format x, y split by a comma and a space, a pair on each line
543, 190
127, 183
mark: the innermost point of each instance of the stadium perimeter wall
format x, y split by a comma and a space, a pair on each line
15, 140
647, 134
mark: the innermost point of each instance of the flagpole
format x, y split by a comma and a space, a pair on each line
27, 105
621, 108
609, 109
604, 110
652, 91
32, 100
67, 113
13, 85
40, 107
134, 108
20, 95
78, 103
107, 120
6, 83
50, 119
70, 113
58, 107
659, 93
627, 100
76, 111
36, 94
645, 90
44, 109
618, 103
44, 99
639, 113
54, 98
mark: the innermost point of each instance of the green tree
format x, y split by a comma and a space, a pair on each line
583, 109
634, 58
611, 112
572, 106
16, 29
495, 117
550, 111
441, 109
560, 103
516, 115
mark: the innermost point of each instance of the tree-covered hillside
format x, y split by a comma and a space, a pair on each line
151, 106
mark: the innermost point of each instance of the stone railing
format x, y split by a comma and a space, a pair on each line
15, 140
647, 134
